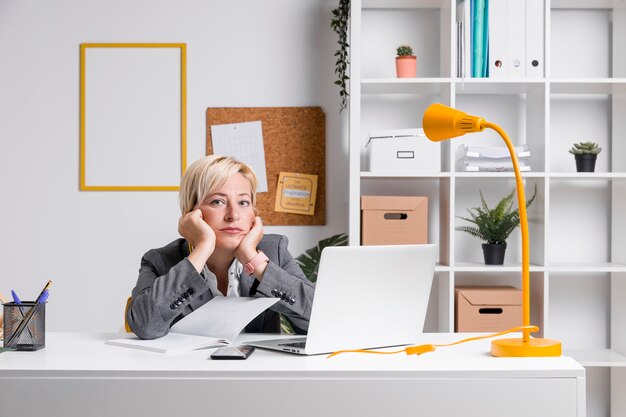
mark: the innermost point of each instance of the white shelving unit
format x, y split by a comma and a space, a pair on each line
577, 223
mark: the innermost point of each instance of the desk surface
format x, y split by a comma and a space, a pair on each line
74, 353
78, 374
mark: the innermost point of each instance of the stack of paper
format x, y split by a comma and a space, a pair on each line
490, 158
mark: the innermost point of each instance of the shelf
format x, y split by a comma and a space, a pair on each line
403, 4
587, 85
597, 357
587, 267
404, 85
481, 267
582, 4
576, 98
587, 175
497, 174
374, 175
498, 86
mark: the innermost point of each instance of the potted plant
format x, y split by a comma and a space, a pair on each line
494, 225
406, 62
585, 154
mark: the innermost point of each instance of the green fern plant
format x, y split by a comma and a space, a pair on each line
309, 262
404, 50
494, 225
585, 148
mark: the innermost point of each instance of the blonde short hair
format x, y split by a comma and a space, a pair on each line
209, 173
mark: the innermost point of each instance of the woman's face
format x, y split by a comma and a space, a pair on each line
228, 211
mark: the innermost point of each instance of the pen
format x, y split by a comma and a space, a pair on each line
16, 299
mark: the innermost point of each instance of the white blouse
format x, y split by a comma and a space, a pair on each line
234, 275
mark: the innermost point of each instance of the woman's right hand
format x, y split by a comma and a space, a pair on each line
196, 231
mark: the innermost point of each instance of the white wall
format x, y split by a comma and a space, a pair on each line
240, 53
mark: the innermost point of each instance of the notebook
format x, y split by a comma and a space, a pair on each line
366, 297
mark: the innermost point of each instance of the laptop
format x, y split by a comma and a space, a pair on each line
366, 297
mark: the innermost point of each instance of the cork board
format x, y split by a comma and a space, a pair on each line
294, 140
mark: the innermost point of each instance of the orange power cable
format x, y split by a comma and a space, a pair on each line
419, 349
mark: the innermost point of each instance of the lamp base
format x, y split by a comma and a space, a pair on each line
519, 348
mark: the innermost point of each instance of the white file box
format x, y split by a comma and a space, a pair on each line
403, 151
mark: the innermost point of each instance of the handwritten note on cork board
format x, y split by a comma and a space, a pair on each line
294, 140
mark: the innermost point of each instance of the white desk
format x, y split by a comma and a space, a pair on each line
78, 375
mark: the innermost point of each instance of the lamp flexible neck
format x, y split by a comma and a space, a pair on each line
523, 219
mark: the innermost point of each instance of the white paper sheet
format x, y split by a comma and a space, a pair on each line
217, 323
243, 141
223, 317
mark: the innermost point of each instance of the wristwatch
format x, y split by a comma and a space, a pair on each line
258, 259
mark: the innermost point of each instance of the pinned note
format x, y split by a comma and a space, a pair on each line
242, 141
296, 193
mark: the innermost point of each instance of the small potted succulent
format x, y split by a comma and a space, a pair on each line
585, 154
494, 225
406, 62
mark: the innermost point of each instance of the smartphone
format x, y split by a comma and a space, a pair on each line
233, 352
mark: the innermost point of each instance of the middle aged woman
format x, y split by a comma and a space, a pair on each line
224, 252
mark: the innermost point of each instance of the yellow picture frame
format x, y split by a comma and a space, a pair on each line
84, 48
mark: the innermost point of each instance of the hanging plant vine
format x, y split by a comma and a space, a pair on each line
339, 24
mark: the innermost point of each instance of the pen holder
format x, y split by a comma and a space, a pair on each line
32, 335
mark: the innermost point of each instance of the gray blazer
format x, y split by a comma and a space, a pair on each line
169, 288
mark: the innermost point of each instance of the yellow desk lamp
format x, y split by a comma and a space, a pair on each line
442, 122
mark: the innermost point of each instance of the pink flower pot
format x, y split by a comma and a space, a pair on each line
406, 66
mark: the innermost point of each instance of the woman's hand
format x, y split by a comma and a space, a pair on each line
192, 227
247, 247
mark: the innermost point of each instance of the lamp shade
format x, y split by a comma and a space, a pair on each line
442, 122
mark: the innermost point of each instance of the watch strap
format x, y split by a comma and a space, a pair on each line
257, 260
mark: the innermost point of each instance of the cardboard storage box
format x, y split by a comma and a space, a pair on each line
394, 220
403, 150
487, 309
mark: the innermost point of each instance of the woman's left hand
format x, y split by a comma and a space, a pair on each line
247, 247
